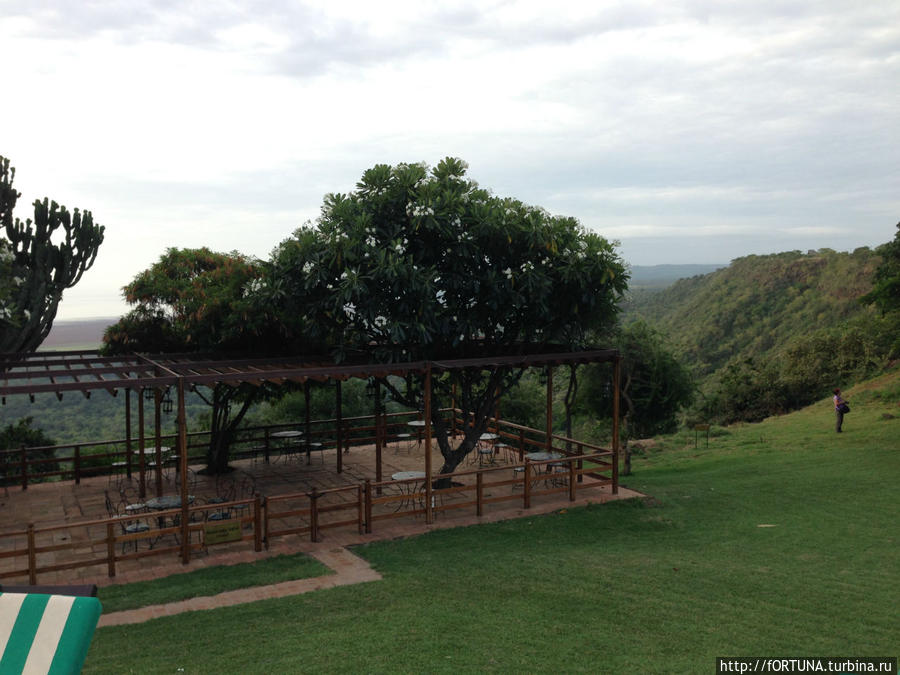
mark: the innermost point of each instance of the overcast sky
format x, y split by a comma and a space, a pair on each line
690, 132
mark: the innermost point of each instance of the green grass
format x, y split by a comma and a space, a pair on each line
209, 581
780, 539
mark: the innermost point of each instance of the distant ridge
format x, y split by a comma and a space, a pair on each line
666, 275
758, 304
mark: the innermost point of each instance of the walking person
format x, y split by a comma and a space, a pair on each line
840, 407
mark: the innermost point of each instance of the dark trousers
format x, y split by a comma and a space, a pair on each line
839, 419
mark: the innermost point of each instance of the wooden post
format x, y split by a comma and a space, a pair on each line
24, 459
183, 464
368, 506
314, 515
526, 487
265, 517
110, 550
307, 428
360, 510
128, 433
571, 464
257, 533
479, 493
32, 556
379, 436
453, 412
77, 464
549, 409
142, 485
617, 375
266, 444
429, 507
339, 420
580, 462
157, 423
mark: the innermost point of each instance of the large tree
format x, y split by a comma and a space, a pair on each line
196, 300
654, 384
37, 270
423, 265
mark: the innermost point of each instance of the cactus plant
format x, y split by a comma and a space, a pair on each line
36, 269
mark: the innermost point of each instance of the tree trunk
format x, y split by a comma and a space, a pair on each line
222, 429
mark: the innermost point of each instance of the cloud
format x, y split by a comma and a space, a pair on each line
226, 122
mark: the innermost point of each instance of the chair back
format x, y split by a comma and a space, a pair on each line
111, 510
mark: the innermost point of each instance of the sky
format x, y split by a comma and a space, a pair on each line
687, 131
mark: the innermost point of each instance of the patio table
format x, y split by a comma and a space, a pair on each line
286, 437
419, 427
166, 502
543, 456
486, 450
410, 487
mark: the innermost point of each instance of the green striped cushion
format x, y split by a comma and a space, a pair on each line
45, 633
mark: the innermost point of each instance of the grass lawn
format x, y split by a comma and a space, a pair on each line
209, 581
780, 539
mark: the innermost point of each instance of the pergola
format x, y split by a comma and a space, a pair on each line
88, 371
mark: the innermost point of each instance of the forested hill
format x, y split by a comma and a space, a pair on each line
758, 304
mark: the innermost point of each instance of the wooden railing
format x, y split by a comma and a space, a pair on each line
54, 548
75, 461
81, 539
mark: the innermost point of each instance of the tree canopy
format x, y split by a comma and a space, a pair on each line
655, 385
35, 270
195, 300
190, 300
420, 264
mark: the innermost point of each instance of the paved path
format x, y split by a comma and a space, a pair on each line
348, 569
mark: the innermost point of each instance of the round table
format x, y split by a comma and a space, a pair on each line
543, 456
410, 487
291, 433
286, 436
419, 426
408, 475
166, 502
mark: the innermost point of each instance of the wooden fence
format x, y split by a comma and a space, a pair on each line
74, 461
258, 521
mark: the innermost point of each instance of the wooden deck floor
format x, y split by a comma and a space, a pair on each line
65, 502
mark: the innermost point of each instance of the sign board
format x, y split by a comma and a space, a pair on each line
222, 532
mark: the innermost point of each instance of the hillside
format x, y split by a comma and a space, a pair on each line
756, 305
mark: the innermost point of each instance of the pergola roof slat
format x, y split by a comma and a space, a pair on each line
57, 372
